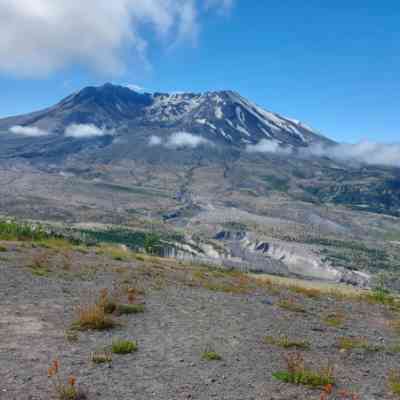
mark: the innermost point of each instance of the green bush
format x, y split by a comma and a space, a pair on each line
129, 309
124, 346
211, 356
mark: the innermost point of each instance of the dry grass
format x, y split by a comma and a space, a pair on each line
291, 305
351, 343
286, 343
312, 293
101, 357
92, 315
40, 264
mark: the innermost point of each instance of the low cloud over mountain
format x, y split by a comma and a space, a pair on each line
31, 131
79, 131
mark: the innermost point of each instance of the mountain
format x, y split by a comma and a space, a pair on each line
238, 181
222, 117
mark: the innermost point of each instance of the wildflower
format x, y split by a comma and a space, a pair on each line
56, 366
72, 380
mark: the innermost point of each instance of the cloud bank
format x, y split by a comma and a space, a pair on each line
178, 140
185, 139
363, 152
80, 131
267, 146
42, 36
31, 131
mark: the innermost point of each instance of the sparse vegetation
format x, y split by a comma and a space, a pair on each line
298, 374
394, 382
64, 391
11, 230
304, 291
40, 265
286, 343
101, 357
129, 309
120, 346
71, 335
350, 343
291, 305
92, 315
335, 319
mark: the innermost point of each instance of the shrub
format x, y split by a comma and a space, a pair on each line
106, 302
129, 309
93, 315
3, 249
124, 346
298, 374
10, 230
394, 382
63, 391
286, 343
40, 265
380, 296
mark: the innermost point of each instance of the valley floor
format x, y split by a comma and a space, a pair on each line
188, 310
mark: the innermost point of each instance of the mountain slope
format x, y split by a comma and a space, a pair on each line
222, 117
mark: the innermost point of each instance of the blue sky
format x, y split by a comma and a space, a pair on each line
335, 67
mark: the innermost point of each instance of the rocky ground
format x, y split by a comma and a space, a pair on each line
188, 310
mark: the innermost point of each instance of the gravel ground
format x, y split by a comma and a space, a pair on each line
178, 324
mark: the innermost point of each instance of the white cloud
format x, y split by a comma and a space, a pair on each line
364, 152
186, 139
31, 131
155, 140
267, 146
79, 131
43, 36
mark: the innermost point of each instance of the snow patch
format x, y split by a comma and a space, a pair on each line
219, 113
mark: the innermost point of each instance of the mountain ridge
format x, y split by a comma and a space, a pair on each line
222, 116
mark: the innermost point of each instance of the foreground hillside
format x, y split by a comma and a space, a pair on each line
198, 333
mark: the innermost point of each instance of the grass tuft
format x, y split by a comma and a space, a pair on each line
350, 343
211, 356
286, 343
129, 309
101, 357
121, 346
291, 305
298, 374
